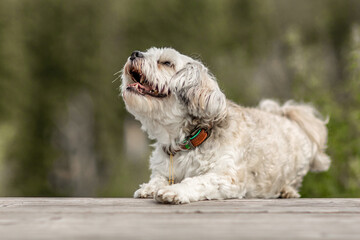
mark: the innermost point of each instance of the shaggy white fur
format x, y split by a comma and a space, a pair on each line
259, 152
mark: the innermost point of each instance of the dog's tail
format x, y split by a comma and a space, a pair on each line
310, 121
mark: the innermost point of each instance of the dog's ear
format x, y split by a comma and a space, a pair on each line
196, 88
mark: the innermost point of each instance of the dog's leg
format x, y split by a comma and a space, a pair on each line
147, 190
208, 186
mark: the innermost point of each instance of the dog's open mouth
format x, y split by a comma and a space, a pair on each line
142, 86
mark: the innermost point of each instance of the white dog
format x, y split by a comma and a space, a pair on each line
207, 147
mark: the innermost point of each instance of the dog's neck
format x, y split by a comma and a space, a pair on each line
171, 135
164, 133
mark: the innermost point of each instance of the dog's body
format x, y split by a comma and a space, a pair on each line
259, 152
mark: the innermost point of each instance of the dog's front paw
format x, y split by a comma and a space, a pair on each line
171, 195
145, 191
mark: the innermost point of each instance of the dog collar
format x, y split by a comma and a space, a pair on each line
195, 139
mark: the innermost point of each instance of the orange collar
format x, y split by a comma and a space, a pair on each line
195, 139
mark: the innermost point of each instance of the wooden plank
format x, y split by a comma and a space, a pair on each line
122, 218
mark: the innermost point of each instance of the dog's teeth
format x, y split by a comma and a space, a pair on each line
142, 79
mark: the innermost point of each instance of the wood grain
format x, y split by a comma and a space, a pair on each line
123, 218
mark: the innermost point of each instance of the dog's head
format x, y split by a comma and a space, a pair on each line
165, 85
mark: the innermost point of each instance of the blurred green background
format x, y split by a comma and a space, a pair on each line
64, 130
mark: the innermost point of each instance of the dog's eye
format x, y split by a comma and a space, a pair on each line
166, 63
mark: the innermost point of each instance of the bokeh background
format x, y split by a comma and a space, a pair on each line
64, 130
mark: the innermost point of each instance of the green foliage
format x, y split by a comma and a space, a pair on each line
62, 122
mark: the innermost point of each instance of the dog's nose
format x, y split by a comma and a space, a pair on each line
136, 54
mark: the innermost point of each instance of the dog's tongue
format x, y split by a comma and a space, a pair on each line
138, 85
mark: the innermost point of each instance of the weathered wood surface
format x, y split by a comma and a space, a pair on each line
122, 218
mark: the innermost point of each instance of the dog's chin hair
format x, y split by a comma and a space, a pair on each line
142, 105
163, 119
259, 152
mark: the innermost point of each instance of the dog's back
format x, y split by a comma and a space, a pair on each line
309, 120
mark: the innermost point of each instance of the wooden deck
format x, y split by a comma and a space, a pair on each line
123, 218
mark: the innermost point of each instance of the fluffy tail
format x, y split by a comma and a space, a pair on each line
310, 121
